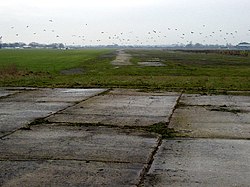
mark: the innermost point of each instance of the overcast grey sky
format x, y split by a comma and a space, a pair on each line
147, 22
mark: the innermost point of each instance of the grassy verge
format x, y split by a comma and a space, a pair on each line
191, 72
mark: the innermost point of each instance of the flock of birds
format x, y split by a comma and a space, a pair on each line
149, 38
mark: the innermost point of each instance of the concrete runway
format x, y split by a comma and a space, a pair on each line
94, 137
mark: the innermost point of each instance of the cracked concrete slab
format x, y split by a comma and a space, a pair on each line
6, 92
25, 106
201, 162
68, 173
78, 143
14, 115
55, 95
213, 116
121, 108
215, 100
75, 156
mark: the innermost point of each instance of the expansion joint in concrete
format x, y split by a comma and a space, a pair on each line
150, 162
58, 159
77, 102
175, 107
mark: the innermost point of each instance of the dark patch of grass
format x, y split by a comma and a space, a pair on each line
226, 109
163, 130
10, 70
38, 121
181, 104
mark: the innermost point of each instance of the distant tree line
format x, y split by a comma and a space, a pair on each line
201, 46
241, 53
31, 45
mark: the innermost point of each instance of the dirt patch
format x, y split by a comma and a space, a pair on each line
74, 71
11, 71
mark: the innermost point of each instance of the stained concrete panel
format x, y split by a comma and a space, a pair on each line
202, 122
68, 173
55, 95
62, 155
121, 108
6, 92
201, 163
14, 115
216, 100
79, 143
25, 106
213, 116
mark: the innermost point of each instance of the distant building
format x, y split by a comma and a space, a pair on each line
26, 47
243, 45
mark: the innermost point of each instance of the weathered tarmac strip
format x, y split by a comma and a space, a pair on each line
90, 137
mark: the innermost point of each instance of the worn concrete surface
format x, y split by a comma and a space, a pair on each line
121, 108
151, 64
20, 107
75, 156
215, 100
4, 92
221, 159
201, 162
78, 143
84, 142
122, 59
54, 95
68, 173
213, 116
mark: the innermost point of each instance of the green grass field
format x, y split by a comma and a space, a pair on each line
190, 72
